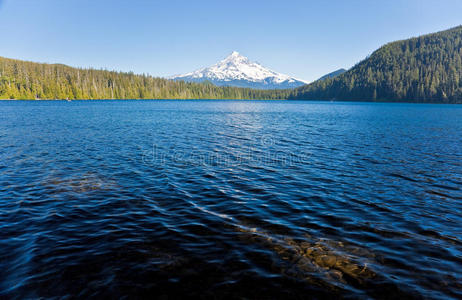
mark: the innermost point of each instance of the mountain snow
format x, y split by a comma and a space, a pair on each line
238, 70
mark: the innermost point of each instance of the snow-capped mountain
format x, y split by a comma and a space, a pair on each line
238, 70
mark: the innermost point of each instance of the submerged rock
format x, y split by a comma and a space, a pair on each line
310, 258
81, 184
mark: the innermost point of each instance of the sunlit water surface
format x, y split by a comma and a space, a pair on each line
230, 199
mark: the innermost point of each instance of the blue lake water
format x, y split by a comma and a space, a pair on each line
258, 199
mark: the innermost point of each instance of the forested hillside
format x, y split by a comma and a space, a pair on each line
422, 69
28, 80
333, 74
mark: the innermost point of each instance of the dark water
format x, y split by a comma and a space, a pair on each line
230, 199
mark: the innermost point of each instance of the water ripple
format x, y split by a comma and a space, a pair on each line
234, 199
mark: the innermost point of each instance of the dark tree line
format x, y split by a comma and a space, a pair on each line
422, 69
29, 80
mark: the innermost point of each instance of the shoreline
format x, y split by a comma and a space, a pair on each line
231, 99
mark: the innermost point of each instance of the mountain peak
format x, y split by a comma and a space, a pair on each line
236, 58
238, 70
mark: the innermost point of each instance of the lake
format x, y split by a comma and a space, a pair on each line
257, 199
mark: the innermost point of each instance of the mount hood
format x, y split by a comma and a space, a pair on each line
237, 70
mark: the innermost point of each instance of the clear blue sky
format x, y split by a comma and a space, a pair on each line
306, 39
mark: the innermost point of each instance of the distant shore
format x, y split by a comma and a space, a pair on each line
272, 100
